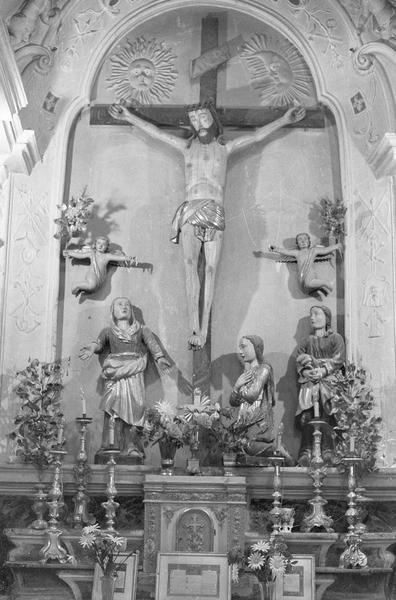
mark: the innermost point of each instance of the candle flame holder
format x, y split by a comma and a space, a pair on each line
277, 461
82, 474
353, 557
111, 505
317, 517
53, 550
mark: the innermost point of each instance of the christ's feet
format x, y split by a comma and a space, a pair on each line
195, 342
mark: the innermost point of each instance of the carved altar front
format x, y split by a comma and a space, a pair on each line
192, 514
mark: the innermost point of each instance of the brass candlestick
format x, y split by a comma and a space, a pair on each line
111, 505
53, 550
277, 461
353, 557
82, 473
317, 516
40, 507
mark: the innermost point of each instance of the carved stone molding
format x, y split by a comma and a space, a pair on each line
363, 57
18, 148
383, 159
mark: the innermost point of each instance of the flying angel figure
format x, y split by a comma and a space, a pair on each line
305, 256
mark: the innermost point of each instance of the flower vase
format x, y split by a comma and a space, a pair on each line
167, 450
107, 585
269, 590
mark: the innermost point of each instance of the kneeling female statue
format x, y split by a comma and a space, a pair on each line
254, 393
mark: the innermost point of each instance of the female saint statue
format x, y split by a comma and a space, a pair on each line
253, 392
126, 345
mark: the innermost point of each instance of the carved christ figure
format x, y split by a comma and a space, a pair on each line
199, 221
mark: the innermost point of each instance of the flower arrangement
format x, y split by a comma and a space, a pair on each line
39, 417
198, 417
163, 423
333, 216
230, 431
267, 559
74, 216
104, 547
358, 427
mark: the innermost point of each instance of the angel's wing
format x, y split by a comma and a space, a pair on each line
323, 258
274, 256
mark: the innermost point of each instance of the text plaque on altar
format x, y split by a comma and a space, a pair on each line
184, 576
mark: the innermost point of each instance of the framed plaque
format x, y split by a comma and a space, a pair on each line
126, 582
195, 576
299, 584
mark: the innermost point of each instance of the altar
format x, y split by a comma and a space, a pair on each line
197, 292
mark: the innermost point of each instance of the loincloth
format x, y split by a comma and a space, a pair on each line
206, 216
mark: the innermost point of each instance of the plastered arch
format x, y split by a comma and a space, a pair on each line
278, 16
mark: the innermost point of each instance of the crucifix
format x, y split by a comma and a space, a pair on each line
199, 221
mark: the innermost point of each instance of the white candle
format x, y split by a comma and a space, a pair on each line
316, 410
60, 433
197, 396
279, 437
111, 430
83, 402
352, 443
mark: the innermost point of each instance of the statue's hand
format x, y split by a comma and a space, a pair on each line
304, 359
317, 374
294, 114
85, 353
243, 379
120, 112
164, 365
65, 253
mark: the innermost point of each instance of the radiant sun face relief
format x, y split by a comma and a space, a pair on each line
143, 70
141, 74
278, 71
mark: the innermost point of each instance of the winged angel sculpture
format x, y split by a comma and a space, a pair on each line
305, 256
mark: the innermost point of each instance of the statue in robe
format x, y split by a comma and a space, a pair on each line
319, 356
254, 393
126, 344
199, 222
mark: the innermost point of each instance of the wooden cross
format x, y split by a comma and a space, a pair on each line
174, 116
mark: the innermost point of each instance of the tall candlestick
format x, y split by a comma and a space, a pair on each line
111, 430
352, 443
83, 402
